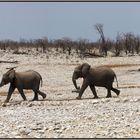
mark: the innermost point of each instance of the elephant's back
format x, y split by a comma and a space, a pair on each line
102, 75
103, 70
30, 74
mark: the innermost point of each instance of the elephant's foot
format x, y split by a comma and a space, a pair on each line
78, 98
95, 97
35, 99
44, 96
108, 96
5, 103
118, 92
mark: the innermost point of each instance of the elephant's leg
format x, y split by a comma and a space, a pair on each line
92, 87
11, 90
116, 91
42, 94
22, 94
35, 96
84, 86
108, 93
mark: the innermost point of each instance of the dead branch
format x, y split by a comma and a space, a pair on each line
131, 86
134, 70
91, 55
8, 61
11, 68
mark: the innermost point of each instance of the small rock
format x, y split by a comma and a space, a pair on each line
136, 100
105, 100
125, 100
59, 131
37, 128
117, 100
45, 128
89, 118
56, 128
25, 132
24, 103
41, 131
30, 105
3, 104
56, 123
95, 101
128, 125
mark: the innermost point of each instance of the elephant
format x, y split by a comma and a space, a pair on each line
29, 80
99, 76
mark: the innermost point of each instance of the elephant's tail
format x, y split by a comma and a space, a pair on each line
116, 80
41, 81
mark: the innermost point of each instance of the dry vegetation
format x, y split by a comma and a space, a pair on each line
125, 44
60, 115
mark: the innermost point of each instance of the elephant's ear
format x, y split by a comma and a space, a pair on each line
11, 74
85, 69
79, 68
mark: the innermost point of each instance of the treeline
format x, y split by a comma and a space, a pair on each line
125, 43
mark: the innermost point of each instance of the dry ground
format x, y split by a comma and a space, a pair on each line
60, 115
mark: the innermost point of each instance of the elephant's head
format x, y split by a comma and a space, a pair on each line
7, 77
79, 72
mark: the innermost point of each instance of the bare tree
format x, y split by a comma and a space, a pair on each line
118, 44
99, 28
137, 44
68, 44
129, 43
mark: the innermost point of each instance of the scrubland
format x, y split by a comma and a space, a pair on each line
60, 115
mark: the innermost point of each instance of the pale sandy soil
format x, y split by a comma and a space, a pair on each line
60, 115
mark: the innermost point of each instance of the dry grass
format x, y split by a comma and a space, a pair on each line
130, 86
3, 93
121, 65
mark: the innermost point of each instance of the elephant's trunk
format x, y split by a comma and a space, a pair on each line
1, 84
74, 81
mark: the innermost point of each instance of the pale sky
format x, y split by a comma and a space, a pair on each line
55, 20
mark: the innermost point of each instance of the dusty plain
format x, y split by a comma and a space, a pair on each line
60, 115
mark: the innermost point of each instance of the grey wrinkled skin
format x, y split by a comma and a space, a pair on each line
29, 80
98, 76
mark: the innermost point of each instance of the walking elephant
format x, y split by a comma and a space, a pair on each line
29, 80
99, 76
